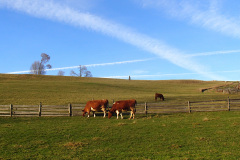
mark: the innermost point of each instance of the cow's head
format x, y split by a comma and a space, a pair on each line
83, 111
109, 114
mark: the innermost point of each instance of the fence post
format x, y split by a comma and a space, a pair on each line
40, 110
228, 104
146, 108
11, 107
189, 107
70, 110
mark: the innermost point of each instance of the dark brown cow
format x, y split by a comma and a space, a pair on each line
125, 105
95, 106
159, 95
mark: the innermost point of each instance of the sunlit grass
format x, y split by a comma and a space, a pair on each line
30, 89
208, 135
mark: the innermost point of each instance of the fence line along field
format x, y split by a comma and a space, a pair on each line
142, 108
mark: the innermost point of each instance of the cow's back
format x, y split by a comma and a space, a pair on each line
124, 104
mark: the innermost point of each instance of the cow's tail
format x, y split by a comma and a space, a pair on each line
134, 109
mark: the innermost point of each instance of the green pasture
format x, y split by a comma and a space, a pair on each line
62, 90
205, 135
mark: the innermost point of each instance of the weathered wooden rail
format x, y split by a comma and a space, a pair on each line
142, 108
41, 110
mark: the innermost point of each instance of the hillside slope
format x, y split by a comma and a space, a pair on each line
32, 89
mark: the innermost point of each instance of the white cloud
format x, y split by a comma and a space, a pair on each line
206, 14
215, 21
57, 12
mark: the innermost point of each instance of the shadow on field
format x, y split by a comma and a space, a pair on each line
126, 115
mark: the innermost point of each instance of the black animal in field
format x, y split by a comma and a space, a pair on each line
159, 95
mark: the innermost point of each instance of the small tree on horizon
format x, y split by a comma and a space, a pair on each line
61, 73
83, 72
39, 67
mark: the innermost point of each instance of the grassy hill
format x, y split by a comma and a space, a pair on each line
32, 89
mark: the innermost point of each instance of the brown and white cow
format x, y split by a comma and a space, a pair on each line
95, 106
159, 95
125, 105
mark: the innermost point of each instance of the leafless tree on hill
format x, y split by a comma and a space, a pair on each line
83, 72
61, 73
39, 67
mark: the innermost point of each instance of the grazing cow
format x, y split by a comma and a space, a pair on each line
159, 95
95, 106
125, 105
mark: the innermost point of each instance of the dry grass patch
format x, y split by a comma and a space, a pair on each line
96, 138
202, 139
205, 119
121, 124
75, 145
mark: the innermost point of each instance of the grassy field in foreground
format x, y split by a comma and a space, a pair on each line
59, 90
206, 135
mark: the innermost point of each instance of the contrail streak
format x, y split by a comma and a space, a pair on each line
88, 65
213, 53
169, 74
132, 61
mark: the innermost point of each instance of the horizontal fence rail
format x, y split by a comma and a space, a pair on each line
166, 107
209, 106
141, 108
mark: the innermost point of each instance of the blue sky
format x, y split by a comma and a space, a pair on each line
146, 39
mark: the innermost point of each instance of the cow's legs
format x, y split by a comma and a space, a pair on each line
131, 115
117, 113
104, 114
121, 115
94, 115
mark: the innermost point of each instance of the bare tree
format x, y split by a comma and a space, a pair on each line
87, 74
83, 72
61, 73
72, 73
39, 68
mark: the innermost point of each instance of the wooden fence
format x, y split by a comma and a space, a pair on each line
41, 110
142, 108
